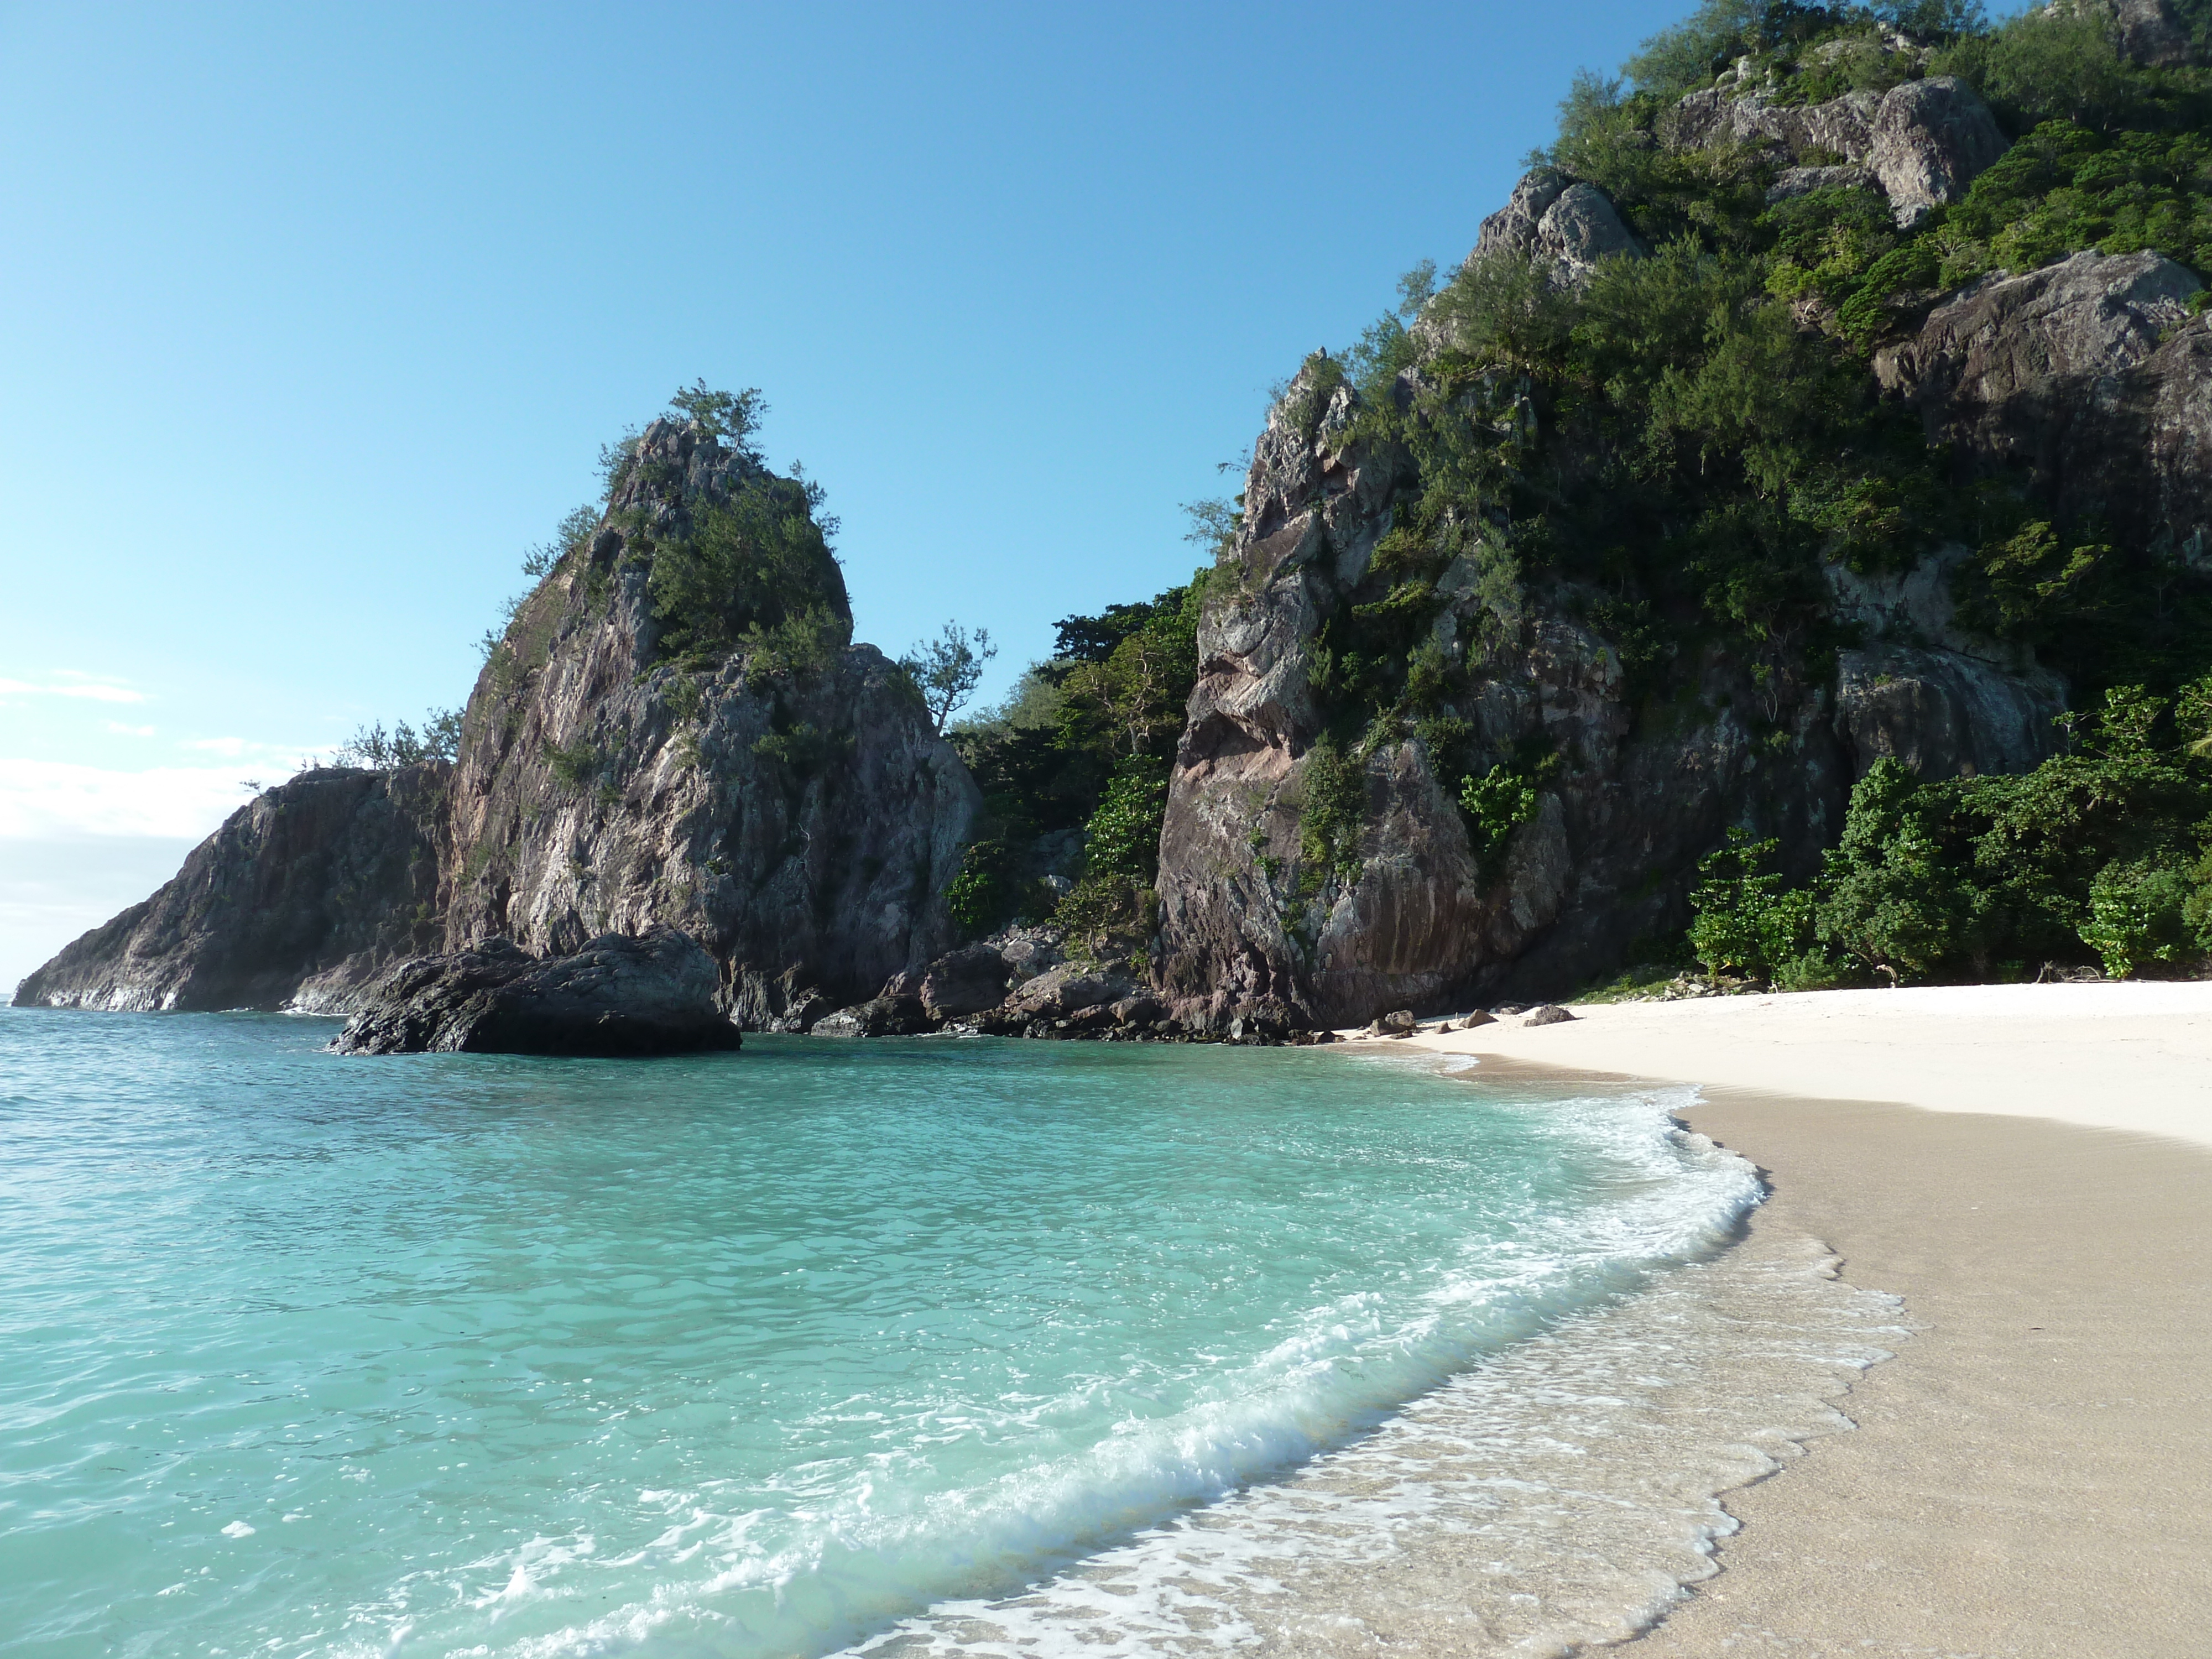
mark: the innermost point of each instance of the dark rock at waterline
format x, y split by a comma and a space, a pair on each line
964, 981
896, 1013
653, 994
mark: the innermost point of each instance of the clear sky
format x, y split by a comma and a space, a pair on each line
314, 318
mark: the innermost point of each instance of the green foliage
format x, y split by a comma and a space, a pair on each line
1120, 849
1129, 673
1081, 745
1333, 813
571, 535
1893, 896
756, 573
2146, 912
729, 417
574, 764
2106, 848
1215, 524
990, 892
374, 750
1749, 922
947, 669
1499, 802
2064, 187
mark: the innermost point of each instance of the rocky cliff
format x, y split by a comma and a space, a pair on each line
1736, 460
302, 898
674, 732
784, 800
2080, 385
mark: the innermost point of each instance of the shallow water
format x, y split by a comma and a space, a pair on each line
903, 1344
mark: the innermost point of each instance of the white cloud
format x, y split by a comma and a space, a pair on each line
54, 799
129, 730
72, 685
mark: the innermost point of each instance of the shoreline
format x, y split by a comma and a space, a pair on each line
2029, 1167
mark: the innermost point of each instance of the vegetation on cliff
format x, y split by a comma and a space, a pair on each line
2105, 851
1073, 769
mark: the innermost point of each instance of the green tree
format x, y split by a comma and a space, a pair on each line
947, 669
1749, 921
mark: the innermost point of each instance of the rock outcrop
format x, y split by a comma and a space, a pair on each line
2146, 31
653, 994
779, 796
2088, 383
1923, 142
1922, 689
1251, 929
801, 822
1561, 223
304, 896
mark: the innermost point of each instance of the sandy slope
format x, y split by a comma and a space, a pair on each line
2030, 1475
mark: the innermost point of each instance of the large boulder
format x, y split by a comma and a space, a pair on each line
619, 995
303, 898
1561, 224
1930, 140
964, 981
893, 1014
1944, 714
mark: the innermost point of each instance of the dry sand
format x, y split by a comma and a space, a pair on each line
2033, 1475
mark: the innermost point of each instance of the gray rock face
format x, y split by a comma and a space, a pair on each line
1930, 693
1942, 713
2088, 382
1803, 181
305, 896
1567, 226
1923, 142
1930, 140
617, 996
2146, 31
802, 824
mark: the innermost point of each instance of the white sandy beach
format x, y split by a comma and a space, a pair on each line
2030, 1168
2108, 1056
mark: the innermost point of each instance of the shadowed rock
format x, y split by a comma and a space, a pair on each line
890, 1015
616, 996
964, 981
303, 898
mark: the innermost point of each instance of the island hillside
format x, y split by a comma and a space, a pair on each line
1781, 543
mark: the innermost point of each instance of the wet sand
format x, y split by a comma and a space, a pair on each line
2031, 1475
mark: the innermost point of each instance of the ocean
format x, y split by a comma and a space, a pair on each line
913, 1346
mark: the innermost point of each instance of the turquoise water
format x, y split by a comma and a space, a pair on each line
749, 1354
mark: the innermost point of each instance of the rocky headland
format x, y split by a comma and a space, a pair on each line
1525, 608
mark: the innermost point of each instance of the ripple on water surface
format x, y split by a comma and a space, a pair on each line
829, 1344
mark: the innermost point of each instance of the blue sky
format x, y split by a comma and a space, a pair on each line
316, 317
